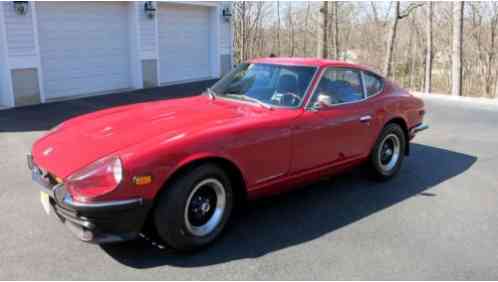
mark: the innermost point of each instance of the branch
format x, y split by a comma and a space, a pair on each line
408, 10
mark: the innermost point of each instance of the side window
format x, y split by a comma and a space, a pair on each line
373, 84
340, 85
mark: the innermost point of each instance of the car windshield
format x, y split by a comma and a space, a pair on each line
266, 84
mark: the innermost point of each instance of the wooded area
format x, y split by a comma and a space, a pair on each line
440, 47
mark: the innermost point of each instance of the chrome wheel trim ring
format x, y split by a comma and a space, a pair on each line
217, 215
395, 154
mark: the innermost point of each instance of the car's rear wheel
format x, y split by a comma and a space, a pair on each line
194, 209
388, 153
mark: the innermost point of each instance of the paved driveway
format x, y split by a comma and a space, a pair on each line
437, 220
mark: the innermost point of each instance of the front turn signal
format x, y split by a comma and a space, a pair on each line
142, 180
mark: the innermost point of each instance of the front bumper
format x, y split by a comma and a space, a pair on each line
418, 128
100, 222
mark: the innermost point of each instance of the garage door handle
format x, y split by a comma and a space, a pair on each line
366, 118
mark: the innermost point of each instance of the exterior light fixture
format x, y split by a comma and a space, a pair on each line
227, 14
21, 7
150, 9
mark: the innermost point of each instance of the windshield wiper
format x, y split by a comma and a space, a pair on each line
251, 99
211, 93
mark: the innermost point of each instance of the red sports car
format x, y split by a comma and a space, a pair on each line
182, 165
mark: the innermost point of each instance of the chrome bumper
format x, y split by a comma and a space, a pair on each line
98, 222
40, 176
135, 202
418, 128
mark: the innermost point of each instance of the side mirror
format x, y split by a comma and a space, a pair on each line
323, 100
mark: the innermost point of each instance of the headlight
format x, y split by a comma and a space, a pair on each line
97, 179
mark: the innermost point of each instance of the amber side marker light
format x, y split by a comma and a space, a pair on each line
142, 180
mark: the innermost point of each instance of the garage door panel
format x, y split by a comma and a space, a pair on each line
183, 42
84, 47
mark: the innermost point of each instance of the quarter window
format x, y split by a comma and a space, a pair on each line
341, 85
373, 84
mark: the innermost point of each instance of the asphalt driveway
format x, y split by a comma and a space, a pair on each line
437, 220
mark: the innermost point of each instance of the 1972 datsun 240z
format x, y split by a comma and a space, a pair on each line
184, 164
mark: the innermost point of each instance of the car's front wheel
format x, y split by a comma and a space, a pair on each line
194, 209
388, 153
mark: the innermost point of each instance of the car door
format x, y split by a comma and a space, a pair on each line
334, 131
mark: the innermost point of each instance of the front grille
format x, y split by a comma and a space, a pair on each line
45, 176
42, 177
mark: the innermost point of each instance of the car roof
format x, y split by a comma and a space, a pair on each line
312, 62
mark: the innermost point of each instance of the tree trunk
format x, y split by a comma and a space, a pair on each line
413, 69
456, 67
491, 52
306, 27
428, 55
496, 85
243, 32
411, 57
278, 29
291, 31
335, 18
391, 39
322, 35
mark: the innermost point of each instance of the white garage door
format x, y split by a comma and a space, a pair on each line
83, 47
183, 42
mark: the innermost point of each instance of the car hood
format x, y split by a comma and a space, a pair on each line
80, 141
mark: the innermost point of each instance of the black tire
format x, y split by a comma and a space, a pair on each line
382, 166
174, 210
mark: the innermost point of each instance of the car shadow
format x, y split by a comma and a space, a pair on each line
275, 223
46, 116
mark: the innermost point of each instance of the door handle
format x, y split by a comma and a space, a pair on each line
366, 118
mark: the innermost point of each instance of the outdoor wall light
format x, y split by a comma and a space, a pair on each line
227, 14
21, 7
150, 9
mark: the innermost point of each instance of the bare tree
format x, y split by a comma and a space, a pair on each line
398, 15
491, 51
375, 13
456, 70
335, 28
240, 37
291, 30
418, 52
428, 55
322, 51
279, 50
306, 28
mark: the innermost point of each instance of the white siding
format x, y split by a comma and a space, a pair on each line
4, 100
84, 47
148, 42
184, 32
136, 75
3, 67
20, 32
